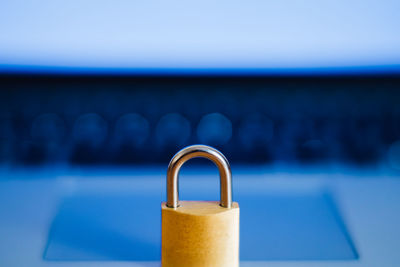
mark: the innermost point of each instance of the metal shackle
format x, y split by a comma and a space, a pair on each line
199, 151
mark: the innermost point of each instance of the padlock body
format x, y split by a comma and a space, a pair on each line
200, 234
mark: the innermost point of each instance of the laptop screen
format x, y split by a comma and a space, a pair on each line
200, 36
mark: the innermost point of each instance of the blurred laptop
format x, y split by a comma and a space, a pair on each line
95, 99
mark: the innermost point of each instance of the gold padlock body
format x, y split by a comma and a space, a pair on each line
200, 234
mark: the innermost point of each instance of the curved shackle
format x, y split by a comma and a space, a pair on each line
197, 151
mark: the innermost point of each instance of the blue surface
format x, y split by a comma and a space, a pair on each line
127, 227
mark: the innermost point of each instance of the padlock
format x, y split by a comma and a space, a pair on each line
199, 233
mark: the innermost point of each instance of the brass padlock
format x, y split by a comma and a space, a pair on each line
200, 233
